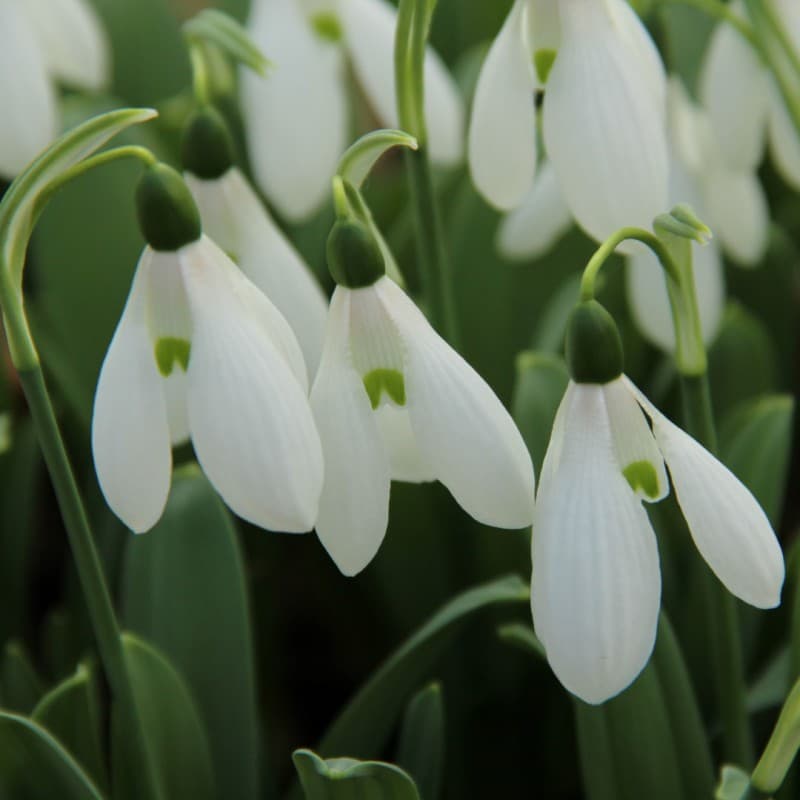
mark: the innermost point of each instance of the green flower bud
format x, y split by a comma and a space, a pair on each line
168, 215
207, 149
354, 258
593, 347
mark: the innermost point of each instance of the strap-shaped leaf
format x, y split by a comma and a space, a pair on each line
359, 159
348, 779
422, 744
20, 685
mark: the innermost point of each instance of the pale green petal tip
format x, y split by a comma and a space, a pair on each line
389, 381
643, 478
327, 26
171, 350
543, 61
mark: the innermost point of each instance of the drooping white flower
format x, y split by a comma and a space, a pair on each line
393, 400
297, 118
596, 582
42, 43
201, 353
603, 114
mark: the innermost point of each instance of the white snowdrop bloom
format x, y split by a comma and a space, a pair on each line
603, 114
297, 119
236, 219
42, 43
201, 353
393, 400
743, 101
596, 582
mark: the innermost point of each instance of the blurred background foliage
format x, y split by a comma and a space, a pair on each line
268, 637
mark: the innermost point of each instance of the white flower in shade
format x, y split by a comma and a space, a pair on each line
236, 219
743, 101
297, 118
42, 43
393, 400
603, 114
596, 583
201, 353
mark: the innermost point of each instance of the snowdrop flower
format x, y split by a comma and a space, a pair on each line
743, 101
200, 352
235, 218
393, 400
603, 113
596, 578
306, 94
43, 42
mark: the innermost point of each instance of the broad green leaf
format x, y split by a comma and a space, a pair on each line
70, 712
755, 442
174, 734
541, 382
348, 779
211, 26
33, 765
359, 159
734, 784
422, 740
20, 686
184, 589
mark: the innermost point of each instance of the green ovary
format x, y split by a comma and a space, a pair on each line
385, 380
543, 62
171, 350
326, 25
641, 475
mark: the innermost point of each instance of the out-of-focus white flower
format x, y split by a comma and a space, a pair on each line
297, 117
603, 114
42, 43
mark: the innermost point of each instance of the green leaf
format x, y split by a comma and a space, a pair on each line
20, 686
359, 159
422, 743
34, 765
348, 779
215, 27
174, 734
541, 382
734, 784
70, 712
184, 589
755, 443
772, 685
523, 637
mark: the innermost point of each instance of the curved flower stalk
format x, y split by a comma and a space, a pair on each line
42, 43
307, 93
200, 352
393, 400
596, 579
236, 219
597, 66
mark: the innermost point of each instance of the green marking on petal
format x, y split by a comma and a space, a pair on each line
327, 26
642, 476
385, 380
171, 350
543, 62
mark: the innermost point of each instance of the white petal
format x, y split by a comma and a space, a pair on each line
174, 388
406, 462
73, 41
533, 229
633, 440
734, 89
130, 435
250, 421
29, 109
354, 508
728, 526
596, 581
444, 112
296, 117
784, 143
234, 217
502, 132
462, 430
604, 126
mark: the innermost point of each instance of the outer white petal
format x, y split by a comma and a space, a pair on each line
462, 430
250, 421
354, 508
734, 89
234, 217
502, 132
543, 218
596, 582
784, 143
73, 41
29, 121
296, 117
405, 459
728, 526
604, 126
130, 434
